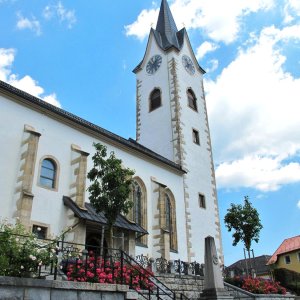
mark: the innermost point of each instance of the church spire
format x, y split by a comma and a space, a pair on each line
165, 22
166, 31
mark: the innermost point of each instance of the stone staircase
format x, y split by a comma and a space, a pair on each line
189, 285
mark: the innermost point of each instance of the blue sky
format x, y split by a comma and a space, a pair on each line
80, 56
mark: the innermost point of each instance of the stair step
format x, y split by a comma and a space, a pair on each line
188, 285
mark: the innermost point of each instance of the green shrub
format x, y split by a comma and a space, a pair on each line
21, 252
289, 279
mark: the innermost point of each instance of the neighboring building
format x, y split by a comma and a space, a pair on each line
46, 154
287, 256
257, 264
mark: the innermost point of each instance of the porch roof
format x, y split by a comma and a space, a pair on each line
89, 214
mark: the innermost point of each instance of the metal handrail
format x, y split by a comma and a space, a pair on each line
238, 291
183, 297
159, 291
66, 254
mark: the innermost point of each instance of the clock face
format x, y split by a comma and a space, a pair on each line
188, 64
153, 64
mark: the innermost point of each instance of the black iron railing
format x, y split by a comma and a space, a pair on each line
85, 263
164, 266
183, 297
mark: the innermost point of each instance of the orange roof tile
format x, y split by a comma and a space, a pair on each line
287, 245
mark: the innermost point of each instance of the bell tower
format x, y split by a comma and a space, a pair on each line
171, 119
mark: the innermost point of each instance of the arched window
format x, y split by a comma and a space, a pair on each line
192, 100
170, 219
48, 173
137, 203
139, 210
155, 99
168, 213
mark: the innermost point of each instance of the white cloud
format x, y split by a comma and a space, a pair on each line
254, 111
32, 24
25, 83
261, 173
298, 204
291, 10
6, 59
205, 48
219, 19
59, 11
141, 27
214, 64
52, 99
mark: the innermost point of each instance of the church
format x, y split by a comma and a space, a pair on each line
46, 154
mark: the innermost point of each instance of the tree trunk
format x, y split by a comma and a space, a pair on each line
250, 265
102, 241
110, 237
246, 262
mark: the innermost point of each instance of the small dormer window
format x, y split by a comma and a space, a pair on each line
155, 99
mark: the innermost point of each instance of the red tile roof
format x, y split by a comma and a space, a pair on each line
288, 245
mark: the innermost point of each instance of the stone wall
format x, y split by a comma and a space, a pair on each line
12, 288
190, 286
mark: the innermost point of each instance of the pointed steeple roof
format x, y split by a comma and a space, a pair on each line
166, 32
165, 23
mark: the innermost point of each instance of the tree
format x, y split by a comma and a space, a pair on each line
110, 187
244, 220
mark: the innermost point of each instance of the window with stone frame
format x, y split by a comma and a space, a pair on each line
196, 138
170, 220
155, 99
137, 203
168, 214
202, 202
48, 173
192, 100
139, 209
40, 231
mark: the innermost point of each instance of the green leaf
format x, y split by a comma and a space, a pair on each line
244, 221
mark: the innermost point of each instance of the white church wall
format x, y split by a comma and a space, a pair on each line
10, 139
56, 140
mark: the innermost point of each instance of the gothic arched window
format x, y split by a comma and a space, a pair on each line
170, 219
139, 210
168, 213
137, 203
48, 173
192, 100
155, 99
